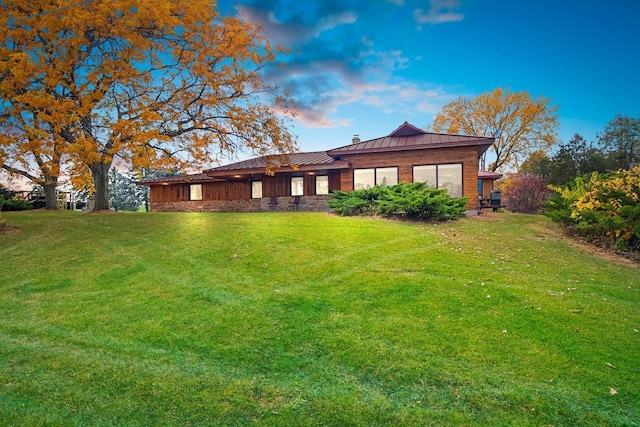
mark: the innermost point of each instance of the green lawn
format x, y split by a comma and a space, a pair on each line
309, 319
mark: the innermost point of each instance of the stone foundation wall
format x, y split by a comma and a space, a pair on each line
307, 204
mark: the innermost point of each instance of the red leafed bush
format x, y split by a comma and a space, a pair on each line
525, 192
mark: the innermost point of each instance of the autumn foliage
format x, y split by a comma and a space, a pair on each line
602, 207
155, 83
520, 123
525, 192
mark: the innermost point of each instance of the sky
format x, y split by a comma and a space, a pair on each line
365, 66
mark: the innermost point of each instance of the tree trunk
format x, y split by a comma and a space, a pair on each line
100, 173
51, 200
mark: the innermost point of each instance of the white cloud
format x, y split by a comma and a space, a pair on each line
332, 21
295, 32
440, 11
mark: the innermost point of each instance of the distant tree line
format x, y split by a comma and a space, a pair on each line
616, 148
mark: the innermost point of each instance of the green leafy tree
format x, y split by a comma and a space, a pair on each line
621, 141
572, 159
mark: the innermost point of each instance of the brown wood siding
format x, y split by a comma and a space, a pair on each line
231, 190
279, 186
169, 193
487, 187
309, 185
405, 160
334, 181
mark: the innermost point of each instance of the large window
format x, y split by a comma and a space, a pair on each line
256, 189
195, 192
297, 186
367, 178
322, 184
448, 177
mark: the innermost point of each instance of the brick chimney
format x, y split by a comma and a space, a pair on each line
356, 139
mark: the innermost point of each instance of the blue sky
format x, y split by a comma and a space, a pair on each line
365, 66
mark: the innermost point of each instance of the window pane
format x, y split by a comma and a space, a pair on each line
297, 186
322, 184
256, 189
195, 192
363, 178
386, 176
450, 177
425, 174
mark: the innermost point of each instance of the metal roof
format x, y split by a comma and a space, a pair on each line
194, 178
315, 160
488, 174
405, 137
413, 142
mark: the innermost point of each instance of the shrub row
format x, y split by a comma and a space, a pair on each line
602, 207
407, 200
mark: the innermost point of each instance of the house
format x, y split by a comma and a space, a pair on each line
407, 154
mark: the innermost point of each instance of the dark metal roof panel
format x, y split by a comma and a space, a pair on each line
488, 174
174, 179
317, 158
413, 142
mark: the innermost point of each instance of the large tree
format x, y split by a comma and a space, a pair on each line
520, 123
158, 83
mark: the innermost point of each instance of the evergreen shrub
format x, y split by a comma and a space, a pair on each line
407, 200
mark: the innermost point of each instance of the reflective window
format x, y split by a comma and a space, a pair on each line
425, 174
256, 189
297, 186
364, 178
386, 176
195, 192
322, 184
448, 177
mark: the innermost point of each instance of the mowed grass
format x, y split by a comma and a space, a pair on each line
310, 319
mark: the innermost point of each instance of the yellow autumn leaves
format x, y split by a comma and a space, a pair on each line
605, 206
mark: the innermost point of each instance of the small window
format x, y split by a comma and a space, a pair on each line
386, 176
322, 184
364, 178
195, 192
256, 189
297, 186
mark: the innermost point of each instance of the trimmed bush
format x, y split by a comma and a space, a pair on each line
406, 200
